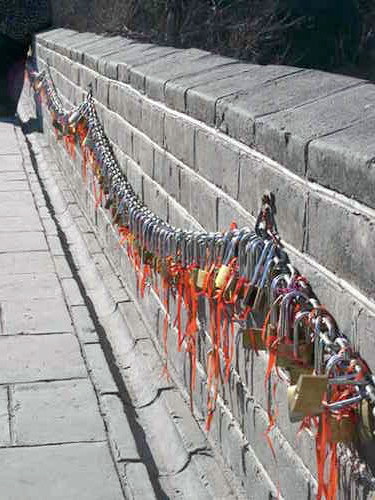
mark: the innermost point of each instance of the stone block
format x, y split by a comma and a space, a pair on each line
201, 100
57, 412
284, 136
152, 123
155, 198
348, 170
167, 173
217, 161
32, 358
120, 431
257, 177
347, 246
179, 138
235, 115
72, 292
26, 263
204, 203
138, 481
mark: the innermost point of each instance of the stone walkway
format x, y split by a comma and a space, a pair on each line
85, 412
53, 440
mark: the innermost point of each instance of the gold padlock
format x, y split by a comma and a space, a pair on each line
305, 398
285, 355
252, 339
201, 277
222, 276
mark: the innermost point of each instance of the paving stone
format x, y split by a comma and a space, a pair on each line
83, 324
30, 358
62, 267
29, 286
25, 263
17, 204
14, 186
55, 245
57, 412
21, 224
99, 369
22, 242
120, 432
69, 471
47, 315
8, 177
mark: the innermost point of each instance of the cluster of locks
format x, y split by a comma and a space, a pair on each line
248, 280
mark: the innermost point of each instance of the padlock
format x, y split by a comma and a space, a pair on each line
222, 276
201, 278
285, 355
305, 398
252, 339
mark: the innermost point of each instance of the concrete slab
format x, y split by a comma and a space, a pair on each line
20, 224
57, 412
13, 186
11, 176
236, 114
47, 315
25, 263
69, 471
35, 358
22, 242
284, 135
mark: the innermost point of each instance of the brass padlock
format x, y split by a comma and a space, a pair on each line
222, 276
305, 398
252, 339
193, 276
285, 353
201, 278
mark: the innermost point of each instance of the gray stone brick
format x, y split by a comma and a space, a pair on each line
179, 139
217, 161
143, 153
152, 123
167, 173
139, 482
66, 412
258, 177
155, 198
203, 204
347, 249
26, 263
350, 171
19, 242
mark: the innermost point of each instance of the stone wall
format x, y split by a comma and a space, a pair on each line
201, 137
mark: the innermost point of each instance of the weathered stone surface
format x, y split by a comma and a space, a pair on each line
29, 286
46, 357
4, 417
57, 412
284, 136
139, 481
99, 369
26, 263
18, 241
236, 114
349, 170
83, 324
201, 100
83, 471
120, 432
